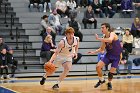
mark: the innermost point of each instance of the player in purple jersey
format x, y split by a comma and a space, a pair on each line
111, 43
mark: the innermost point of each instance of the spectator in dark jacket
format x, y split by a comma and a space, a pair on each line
36, 3
116, 4
89, 18
108, 8
97, 7
3, 63
76, 26
137, 7
10, 60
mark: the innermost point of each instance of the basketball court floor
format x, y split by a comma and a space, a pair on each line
75, 84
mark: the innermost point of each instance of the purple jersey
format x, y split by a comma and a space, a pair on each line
113, 48
113, 53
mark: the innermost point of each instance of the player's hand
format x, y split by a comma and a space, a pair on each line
91, 52
75, 56
48, 62
97, 37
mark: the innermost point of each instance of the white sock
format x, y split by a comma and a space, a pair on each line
58, 82
45, 76
101, 78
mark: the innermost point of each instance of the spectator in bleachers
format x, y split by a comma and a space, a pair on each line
49, 31
137, 7
3, 63
47, 4
100, 57
124, 60
62, 8
76, 26
78, 3
84, 3
2, 44
108, 8
55, 22
3, 58
36, 3
48, 48
128, 40
71, 4
89, 18
90, 2
11, 60
135, 28
44, 24
127, 7
97, 7
116, 5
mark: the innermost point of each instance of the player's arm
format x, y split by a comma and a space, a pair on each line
77, 46
102, 48
76, 50
120, 56
58, 49
110, 39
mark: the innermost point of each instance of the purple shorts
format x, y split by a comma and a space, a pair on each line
113, 59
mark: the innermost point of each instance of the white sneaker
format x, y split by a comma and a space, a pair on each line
7, 76
1, 77
44, 11
124, 10
66, 17
50, 10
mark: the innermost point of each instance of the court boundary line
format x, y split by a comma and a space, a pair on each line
10, 89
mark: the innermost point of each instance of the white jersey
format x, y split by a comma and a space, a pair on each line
69, 49
66, 51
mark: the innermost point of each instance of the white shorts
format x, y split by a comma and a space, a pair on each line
61, 60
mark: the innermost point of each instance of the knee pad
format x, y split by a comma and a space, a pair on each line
110, 75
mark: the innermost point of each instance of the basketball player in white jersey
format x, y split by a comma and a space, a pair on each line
66, 50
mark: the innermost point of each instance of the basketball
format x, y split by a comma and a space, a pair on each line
49, 67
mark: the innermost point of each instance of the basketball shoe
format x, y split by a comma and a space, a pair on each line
99, 83
55, 86
42, 81
109, 86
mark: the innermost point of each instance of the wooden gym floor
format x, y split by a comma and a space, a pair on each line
77, 84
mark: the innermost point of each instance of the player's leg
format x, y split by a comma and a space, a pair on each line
114, 65
110, 77
99, 67
45, 76
67, 66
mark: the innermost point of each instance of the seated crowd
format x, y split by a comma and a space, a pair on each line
7, 61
